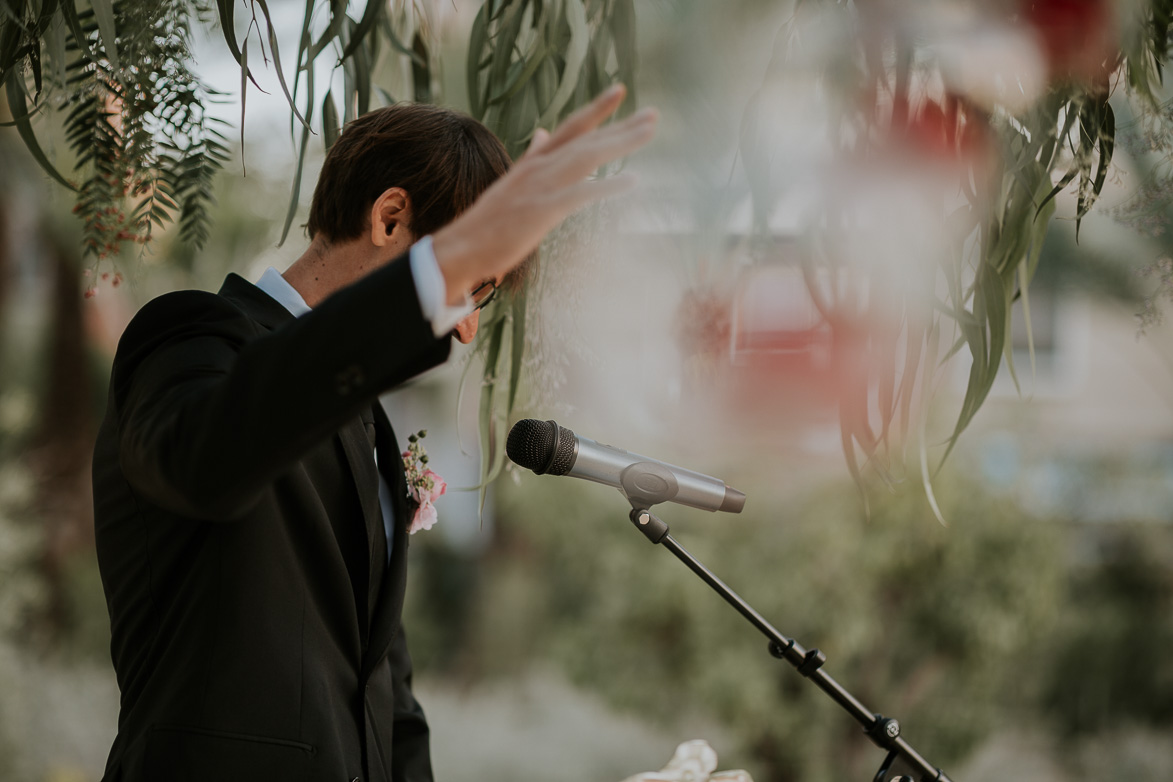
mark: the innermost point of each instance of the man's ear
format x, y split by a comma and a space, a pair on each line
391, 213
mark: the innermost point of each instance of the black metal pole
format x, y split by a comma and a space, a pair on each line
883, 731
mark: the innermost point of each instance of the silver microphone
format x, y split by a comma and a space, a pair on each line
547, 448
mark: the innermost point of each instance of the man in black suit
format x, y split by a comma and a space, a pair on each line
250, 503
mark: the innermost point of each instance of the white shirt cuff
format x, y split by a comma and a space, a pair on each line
431, 290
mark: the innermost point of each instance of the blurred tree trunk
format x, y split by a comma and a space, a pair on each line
7, 268
62, 441
6, 273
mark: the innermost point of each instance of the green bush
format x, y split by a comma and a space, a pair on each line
1112, 665
932, 625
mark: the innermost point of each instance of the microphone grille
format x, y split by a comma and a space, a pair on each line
541, 446
565, 451
531, 442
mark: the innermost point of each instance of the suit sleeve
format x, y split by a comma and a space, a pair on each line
209, 412
410, 738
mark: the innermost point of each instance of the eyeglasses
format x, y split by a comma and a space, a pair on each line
483, 294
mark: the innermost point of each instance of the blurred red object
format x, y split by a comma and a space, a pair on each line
950, 134
789, 355
763, 346
1078, 37
774, 359
955, 132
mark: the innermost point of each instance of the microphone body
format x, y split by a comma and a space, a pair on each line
547, 448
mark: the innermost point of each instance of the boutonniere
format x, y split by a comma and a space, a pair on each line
423, 485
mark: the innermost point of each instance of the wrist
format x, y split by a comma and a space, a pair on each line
457, 264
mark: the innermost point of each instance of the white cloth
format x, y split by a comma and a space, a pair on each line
429, 289
694, 761
432, 292
274, 284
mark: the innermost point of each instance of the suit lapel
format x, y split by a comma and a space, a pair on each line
356, 446
389, 606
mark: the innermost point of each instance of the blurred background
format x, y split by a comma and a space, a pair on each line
1014, 611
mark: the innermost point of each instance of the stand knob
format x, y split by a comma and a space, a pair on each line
884, 731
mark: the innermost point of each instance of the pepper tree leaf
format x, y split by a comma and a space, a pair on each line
104, 15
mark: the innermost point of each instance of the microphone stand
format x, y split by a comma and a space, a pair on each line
883, 731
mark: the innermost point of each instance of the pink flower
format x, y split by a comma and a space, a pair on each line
423, 485
438, 485
424, 518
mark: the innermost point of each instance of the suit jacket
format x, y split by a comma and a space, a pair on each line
255, 621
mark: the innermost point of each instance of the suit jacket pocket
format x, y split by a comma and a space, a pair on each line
184, 754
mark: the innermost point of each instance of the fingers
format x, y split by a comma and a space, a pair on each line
588, 117
579, 146
548, 182
585, 154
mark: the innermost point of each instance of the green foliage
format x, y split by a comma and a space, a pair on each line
1010, 236
532, 62
1111, 659
501, 346
145, 150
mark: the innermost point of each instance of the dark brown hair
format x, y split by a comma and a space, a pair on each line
442, 158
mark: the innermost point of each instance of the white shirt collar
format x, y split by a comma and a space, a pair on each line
286, 295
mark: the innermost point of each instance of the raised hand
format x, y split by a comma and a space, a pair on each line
548, 183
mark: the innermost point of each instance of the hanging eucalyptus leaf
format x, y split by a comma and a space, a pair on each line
518, 303
330, 127
492, 452
225, 8
243, 97
274, 50
622, 26
302, 147
366, 24
21, 118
